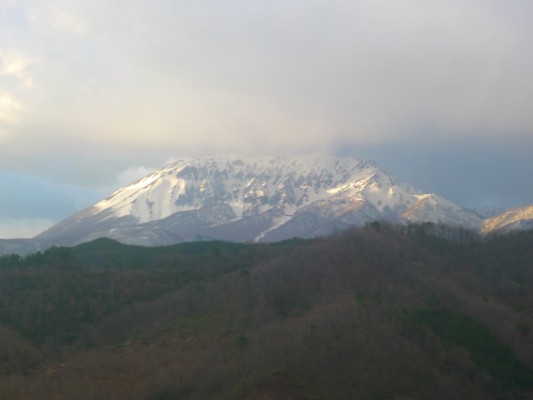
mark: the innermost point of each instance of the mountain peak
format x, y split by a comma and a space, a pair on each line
233, 197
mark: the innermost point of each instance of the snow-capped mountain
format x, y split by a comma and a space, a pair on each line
513, 219
236, 198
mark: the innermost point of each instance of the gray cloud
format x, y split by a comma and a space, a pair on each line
493, 172
227, 72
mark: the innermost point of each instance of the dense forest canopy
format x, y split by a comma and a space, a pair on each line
382, 312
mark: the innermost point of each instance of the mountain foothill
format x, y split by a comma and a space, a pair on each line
234, 278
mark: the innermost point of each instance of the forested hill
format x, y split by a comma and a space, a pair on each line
381, 312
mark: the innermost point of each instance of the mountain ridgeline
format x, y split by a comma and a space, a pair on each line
380, 312
262, 199
259, 199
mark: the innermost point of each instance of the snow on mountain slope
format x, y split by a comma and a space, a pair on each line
249, 186
254, 198
432, 208
513, 219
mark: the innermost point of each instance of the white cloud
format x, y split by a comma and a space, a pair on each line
61, 19
14, 67
17, 65
254, 76
5, 4
9, 109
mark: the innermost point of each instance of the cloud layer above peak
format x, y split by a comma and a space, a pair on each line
228, 72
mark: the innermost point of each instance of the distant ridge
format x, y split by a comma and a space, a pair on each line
513, 219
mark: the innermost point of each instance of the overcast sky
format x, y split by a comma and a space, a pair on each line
94, 94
